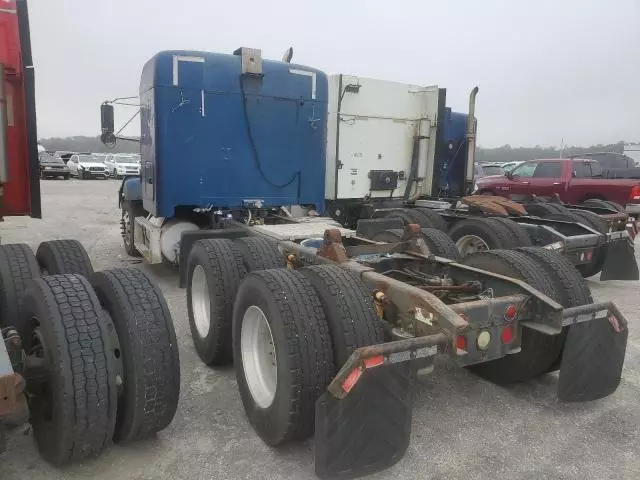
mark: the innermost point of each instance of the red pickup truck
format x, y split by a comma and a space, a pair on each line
574, 180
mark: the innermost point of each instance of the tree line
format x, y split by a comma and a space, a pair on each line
505, 153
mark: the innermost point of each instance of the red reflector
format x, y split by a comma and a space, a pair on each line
510, 312
507, 334
373, 361
351, 379
461, 342
589, 255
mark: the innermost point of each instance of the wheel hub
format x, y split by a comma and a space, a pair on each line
126, 227
38, 371
200, 301
259, 360
469, 244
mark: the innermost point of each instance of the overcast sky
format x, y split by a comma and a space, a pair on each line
546, 69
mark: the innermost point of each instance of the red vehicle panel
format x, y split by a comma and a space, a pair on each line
20, 193
572, 179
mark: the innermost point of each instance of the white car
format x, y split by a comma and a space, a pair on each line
87, 165
121, 165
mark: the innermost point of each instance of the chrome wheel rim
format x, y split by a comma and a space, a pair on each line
469, 244
126, 228
258, 356
200, 301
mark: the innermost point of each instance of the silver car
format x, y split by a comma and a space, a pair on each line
87, 165
120, 164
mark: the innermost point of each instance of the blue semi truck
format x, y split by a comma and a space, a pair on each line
328, 329
215, 149
245, 145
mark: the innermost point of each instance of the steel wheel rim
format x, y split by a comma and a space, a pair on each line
39, 388
126, 228
258, 356
200, 301
469, 244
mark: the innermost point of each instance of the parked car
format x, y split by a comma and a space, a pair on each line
493, 168
616, 165
121, 165
573, 180
87, 165
65, 155
52, 167
510, 165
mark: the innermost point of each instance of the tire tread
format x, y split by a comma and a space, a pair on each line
142, 319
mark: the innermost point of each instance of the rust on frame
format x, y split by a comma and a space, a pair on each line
11, 387
332, 247
494, 205
408, 299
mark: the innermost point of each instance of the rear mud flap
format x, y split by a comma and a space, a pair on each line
592, 359
368, 430
620, 262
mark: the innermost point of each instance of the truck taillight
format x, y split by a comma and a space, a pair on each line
634, 196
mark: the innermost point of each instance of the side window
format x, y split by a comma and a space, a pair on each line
581, 169
548, 170
596, 169
525, 170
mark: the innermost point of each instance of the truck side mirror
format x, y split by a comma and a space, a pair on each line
107, 136
508, 174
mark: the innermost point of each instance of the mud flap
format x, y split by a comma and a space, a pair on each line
620, 262
368, 430
592, 359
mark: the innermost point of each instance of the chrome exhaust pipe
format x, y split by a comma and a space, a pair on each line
471, 142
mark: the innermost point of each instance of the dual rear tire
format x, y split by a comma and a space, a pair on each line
550, 274
288, 331
102, 360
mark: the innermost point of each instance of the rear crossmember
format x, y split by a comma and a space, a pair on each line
353, 437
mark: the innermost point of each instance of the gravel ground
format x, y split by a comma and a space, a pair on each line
463, 427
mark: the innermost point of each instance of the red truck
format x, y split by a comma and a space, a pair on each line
574, 180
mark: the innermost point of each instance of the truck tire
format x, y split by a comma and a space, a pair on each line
516, 229
148, 351
599, 255
542, 209
348, 307
539, 351
130, 210
214, 272
18, 265
259, 253
438, 242
572, 290
436, 220
591, 219
278, 315
73, 410
480, 234
57, 257
415, 215
597, 202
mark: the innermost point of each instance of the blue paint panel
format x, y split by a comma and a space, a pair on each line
201, 159
452, 164
131, 189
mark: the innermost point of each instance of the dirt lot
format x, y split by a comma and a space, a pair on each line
463, 427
